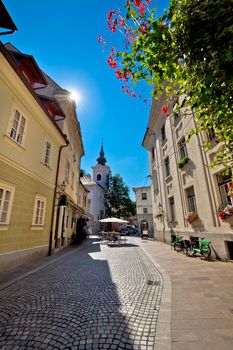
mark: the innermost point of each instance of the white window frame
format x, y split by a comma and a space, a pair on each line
11, 189
39, 211
47, 154
14, 132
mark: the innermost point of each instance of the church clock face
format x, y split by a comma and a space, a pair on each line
98, 167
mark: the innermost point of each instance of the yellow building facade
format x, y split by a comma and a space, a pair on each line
29, 147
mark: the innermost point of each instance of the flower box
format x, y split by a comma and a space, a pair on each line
159, 215
191, 217
183, 162
226, 215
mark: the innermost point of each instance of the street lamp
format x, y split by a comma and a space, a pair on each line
160, 206
63, 186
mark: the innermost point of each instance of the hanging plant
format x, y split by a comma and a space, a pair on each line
183, 162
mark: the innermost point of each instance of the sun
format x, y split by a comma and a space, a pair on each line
75, 96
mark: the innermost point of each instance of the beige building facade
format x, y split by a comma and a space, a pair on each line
27, 169
144, 210
183, 183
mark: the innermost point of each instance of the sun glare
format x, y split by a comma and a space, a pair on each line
75, 96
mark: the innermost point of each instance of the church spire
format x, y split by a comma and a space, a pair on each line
101, 160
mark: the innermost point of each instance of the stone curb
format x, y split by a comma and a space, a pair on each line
163, 329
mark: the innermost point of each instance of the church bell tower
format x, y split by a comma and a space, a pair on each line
101, 170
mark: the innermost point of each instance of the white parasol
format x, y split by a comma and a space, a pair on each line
116, 220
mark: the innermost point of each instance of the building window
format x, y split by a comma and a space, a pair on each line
6, 200
167, 166
191, 200
153, 154
211, 134
183, 148
163, 133
72, 180
144, 195
144, 210
98, 177
47, 153
17, 128
39, 211
172, 209
223, 181
68, 171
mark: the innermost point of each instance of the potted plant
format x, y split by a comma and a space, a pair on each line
183, 162
226, 213
160, 214
191, 216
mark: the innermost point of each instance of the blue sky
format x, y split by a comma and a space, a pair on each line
62, 36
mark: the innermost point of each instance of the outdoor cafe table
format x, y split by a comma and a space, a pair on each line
113, 237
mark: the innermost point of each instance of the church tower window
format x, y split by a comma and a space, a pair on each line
98, 178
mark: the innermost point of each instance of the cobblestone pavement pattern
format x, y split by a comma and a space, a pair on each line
98, 297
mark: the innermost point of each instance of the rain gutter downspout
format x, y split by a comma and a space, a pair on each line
54, 199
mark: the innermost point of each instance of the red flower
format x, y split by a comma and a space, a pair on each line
131, 38
121, 75
137, 3
164, 110
142, 9
112, 62
140, 5
111, 59
143, 27
112, 23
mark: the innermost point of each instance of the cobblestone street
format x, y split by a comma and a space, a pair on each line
94, 297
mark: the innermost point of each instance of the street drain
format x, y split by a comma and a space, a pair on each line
153, 283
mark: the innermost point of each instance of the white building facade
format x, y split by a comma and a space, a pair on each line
96, 185
183, 182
